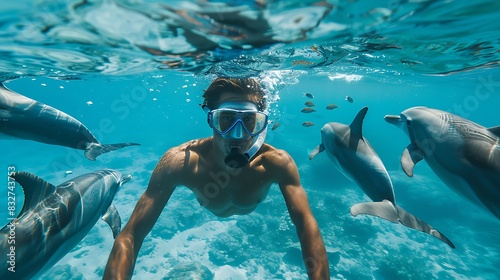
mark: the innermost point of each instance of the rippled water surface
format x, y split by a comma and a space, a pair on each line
73, 38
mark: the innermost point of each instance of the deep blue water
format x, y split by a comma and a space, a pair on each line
440, 54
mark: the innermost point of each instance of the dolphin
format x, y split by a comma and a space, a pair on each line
354, 157
25, 118
463, 154
54, 219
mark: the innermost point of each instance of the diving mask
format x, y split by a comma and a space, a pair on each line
224, 120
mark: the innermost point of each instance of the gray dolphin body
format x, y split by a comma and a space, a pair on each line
54, 219
463, 154
25, 118
354, 157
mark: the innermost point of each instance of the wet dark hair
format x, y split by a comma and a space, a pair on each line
245, 86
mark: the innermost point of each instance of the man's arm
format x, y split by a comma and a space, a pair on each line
313, 248
163, 181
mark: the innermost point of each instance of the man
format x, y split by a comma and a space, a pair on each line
229, 173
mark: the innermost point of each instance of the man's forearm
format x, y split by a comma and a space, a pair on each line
121, 261
313, 251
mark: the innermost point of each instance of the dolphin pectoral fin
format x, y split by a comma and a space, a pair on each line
408, 220
495, 130
35, 189
113, 219
411, 155
382, 209
320, 148
94, 149
357, 124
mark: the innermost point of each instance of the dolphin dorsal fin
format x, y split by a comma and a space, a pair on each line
34, 187
357, 124
495, 130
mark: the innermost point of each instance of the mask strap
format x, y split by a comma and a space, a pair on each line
205, 108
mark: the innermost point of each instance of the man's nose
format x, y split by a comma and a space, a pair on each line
237, 131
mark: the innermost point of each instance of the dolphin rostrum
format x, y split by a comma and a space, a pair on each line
463, 154
53, 220
25, 118
354, 157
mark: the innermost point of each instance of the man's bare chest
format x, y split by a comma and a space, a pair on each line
228, 192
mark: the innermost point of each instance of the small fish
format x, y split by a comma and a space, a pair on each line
308, 110
331, 106
89, 103
276, 125
68, 173
309, 104
309, 95
349, 99
308, 124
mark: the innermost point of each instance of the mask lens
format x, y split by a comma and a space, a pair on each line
254, 122
224, 120
249, 120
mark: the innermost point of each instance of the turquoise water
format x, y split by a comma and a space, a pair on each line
145, 87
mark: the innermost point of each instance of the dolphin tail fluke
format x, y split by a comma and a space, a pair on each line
383, 209
388, 211
113, 219
408, 220
94, 150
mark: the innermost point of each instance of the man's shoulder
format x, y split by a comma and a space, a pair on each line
280, 164
271, 150
275, 157
193, 145
176, 159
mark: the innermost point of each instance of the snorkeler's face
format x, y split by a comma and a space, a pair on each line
239, 133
